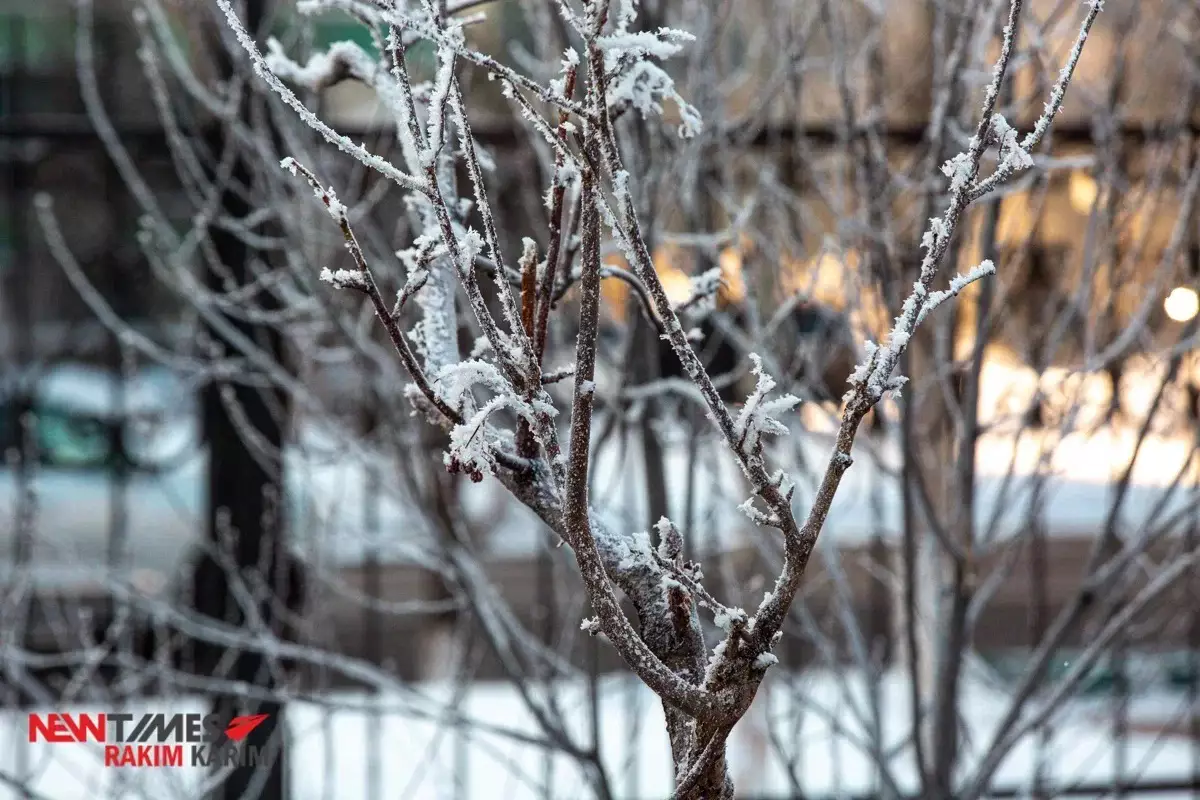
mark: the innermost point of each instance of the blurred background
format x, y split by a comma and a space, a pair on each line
214, 493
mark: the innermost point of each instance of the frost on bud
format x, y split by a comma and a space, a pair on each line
670, 540
862, 371
756, 516
345, 278
765, 660
470, 451
636, 551
784, 483
472, 246
703, 291
1012, 155
935, 234
730, 620
758, 417
894, 384
590, 625
457, 466
959, 171
679, 605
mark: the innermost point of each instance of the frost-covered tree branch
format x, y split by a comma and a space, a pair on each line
620, 65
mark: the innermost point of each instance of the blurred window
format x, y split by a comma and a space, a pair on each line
331, 28
39, 42
1137, 673
73, 440
37, 63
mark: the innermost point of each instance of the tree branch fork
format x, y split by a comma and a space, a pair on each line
705, 693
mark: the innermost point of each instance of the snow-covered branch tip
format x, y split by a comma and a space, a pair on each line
345, 279
761, 518
305, 114
758, 417
328, 198
960, 282
357, 279
637, 82
873, 375
472, 449
1015, 158
325, 69
704, 289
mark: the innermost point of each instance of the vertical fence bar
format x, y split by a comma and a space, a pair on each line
1119, 671
373, 590
244, 493
1192, 661
1038, 620
119, 473
880, 602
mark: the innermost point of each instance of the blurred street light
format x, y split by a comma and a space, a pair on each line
1182, 304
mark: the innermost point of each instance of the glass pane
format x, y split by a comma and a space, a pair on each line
1182, 670
37, 41
66, 440
331, 29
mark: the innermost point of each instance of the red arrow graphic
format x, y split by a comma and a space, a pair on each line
239, 727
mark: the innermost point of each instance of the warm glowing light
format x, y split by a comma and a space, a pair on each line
1016, 219
1182, 304
674, 280
1083, 192
676, 284
830, 280
731, 272
614, 293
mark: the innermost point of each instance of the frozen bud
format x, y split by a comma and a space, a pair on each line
670, 540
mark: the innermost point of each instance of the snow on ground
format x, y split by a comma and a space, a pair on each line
419, 759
